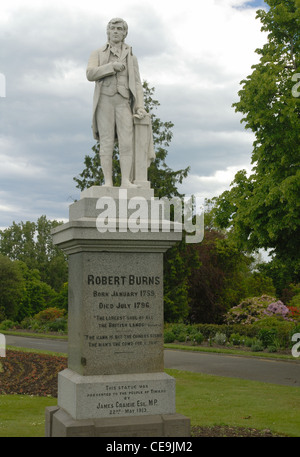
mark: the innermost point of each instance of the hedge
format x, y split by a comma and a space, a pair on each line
282, 330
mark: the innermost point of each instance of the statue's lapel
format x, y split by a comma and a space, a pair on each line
104, 55
125, 51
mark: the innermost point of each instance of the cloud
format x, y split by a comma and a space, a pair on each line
194, 57
207, 187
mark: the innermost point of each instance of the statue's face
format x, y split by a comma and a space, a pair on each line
116, 32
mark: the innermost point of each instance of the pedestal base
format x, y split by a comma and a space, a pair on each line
60, 424
113, 396
115, 319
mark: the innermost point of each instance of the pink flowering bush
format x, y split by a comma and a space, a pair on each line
253, 309
278, 309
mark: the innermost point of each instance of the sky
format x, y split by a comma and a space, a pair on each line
194, 53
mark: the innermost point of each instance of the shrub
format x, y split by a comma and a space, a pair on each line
57, 325
235, 339
209, 330
254, 309
294, 312
283, 329
177, 329
181, 337
31, 324
192, 330
198, 338
295, 329
248, 341
220, 338
249, 310
169, 336
7, 324
49, 314
36, 326
26, 322
267, 336
257, 346
277, 308
273, 331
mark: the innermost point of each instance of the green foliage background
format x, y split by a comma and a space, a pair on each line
263, 210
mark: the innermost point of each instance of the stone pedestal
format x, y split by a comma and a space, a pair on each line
115, 383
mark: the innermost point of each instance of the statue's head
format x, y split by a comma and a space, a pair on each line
117, 23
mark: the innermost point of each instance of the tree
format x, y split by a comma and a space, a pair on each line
220, 281
164, 181
12, 288
36, 296
61, 298
31, 243
263, 209
17, 242
179, 264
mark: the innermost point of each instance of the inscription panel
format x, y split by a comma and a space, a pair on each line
121, 313
115, 396
128, 399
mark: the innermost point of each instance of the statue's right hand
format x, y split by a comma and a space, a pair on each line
118, 66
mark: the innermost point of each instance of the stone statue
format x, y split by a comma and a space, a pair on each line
118, 99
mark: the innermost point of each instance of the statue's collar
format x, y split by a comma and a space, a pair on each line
125, 47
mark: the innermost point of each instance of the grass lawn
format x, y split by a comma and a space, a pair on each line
208, 400
214, 400
23, 415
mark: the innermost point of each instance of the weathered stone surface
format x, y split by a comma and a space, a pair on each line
118, 99
89, 397
115, 313
63, 425
115, 383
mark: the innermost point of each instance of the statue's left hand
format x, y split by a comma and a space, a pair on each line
141, 113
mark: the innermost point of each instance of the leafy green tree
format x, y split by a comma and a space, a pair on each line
31, 243
17, 242
263, 209
11, 286
45, 251
179, 264
163, 180
36, 294
295, 300
220, 281
61, 299
258, 284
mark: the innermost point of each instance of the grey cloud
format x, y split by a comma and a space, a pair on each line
207, 133
49, 128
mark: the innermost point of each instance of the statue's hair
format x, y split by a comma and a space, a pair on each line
114, 21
